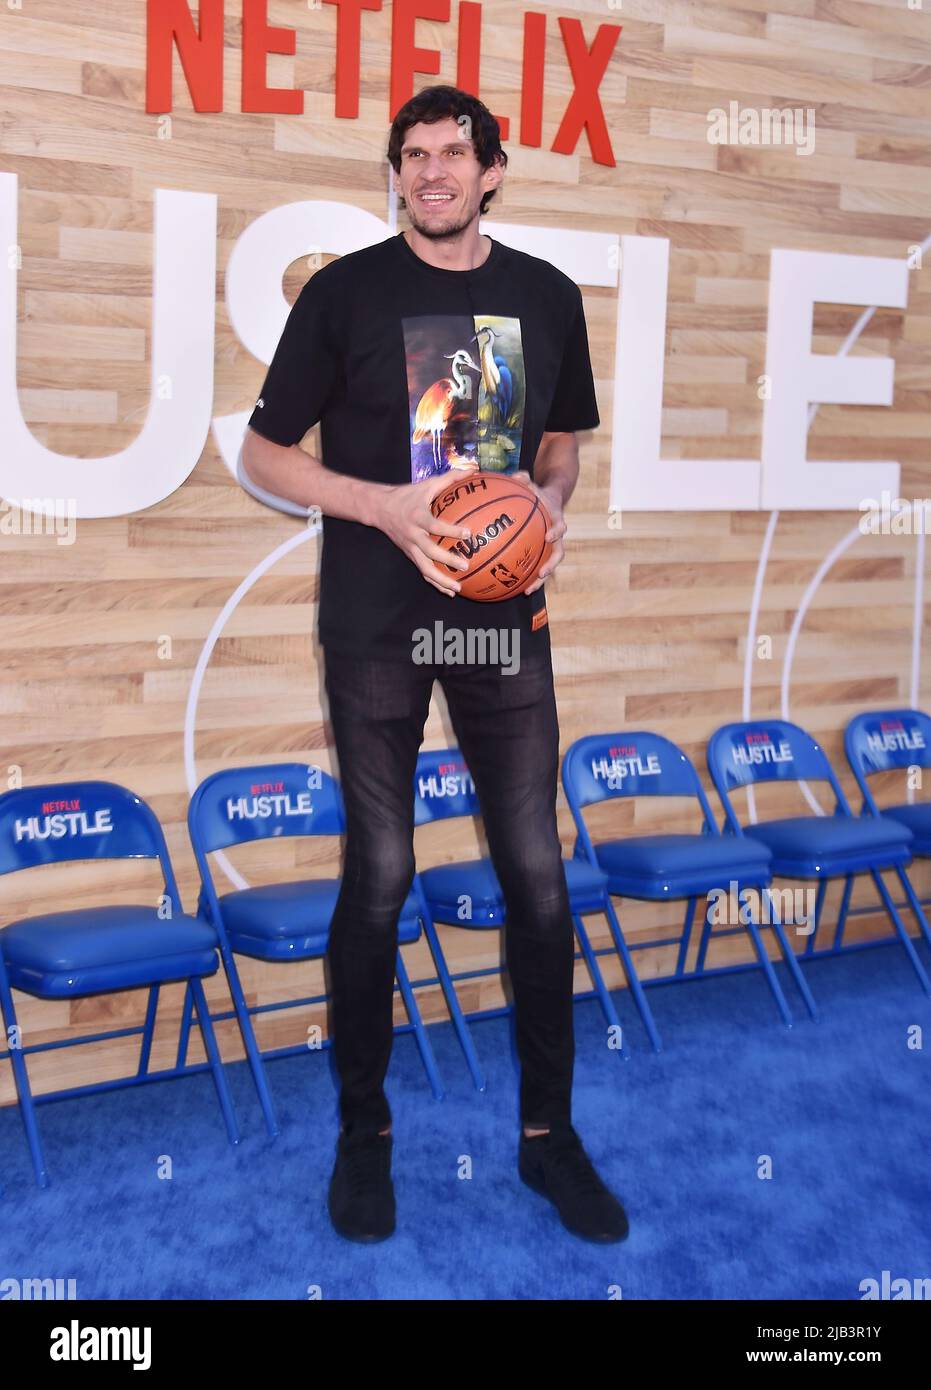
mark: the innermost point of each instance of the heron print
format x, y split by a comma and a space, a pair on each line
466, 389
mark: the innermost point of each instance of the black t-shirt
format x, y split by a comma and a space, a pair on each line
408, 366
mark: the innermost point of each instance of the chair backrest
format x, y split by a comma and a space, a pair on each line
275, 800
884, 740
258, 803
443, 787
767, 750
637, 763
61, 821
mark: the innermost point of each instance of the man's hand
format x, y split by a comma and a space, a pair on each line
403, 513
552, 501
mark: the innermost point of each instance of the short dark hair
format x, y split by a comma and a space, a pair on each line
435, 104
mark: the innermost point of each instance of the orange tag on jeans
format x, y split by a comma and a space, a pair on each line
539, 619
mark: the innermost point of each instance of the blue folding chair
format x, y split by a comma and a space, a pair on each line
281, 921
97, 950
813, 847
885, 741
655, 868
468, 894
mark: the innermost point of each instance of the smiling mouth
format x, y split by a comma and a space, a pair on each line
435, 199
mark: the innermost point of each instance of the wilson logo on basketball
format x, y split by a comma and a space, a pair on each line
494, 528
506, 546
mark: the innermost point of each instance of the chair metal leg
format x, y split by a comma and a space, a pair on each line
420, 1032
604, 994
253, 1052
20, 1075
791, 960
184, 1029
452, 1003
145, 1051
915, 904
686, 936
213, 1055
900, 928
705, 939
819, 907
842, 915
633, 979
782, 1003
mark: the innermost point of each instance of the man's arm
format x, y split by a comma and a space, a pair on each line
556, 467
401, 511
297, 476
555, 474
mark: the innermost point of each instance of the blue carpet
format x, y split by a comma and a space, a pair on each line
840, 1107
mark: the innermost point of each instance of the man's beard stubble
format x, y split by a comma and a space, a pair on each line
438, 233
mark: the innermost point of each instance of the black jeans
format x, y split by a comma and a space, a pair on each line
506, 728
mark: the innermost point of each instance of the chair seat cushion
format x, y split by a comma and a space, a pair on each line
96, 949
917, 819
468, 894
291, 921
826, 846
678, 866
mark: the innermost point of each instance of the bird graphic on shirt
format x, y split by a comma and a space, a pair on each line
436, 405
496, 375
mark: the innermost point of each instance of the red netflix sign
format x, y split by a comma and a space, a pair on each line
170, 25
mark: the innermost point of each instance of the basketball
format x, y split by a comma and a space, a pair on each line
508, 525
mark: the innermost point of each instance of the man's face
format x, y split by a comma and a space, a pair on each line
441, 180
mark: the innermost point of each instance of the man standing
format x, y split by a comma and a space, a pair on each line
437, 348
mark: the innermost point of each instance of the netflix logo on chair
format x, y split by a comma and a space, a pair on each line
59, 820
759, 748
625, 761
266, 799
450, 779
893, 737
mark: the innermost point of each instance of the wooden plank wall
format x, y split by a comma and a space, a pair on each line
648, 623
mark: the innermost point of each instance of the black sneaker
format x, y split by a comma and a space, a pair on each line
361, 1197
557, 1166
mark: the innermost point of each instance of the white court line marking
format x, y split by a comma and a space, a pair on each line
190, 713
917, 622
753, 615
